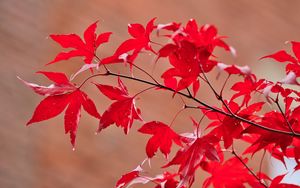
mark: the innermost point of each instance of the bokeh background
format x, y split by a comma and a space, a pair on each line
41, 155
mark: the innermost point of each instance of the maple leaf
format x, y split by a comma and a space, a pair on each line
227, 127
246, 88
60, 97
86, 48
205, 36
276, 183
232, 173
283, 56
166, 180
162, 138
61, 84
131, 178
185, 67
190, 157
122, 112
190, 55
274, 120
140, 40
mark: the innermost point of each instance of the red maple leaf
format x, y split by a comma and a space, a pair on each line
190, 157
60, 86
270, 140
141, 40
131, 178
86, 48
190, 55
185, 67
276, 183
283, 56
62, 94
227, 127
246, 88
122, 112
162, 138
166, 180
232, 173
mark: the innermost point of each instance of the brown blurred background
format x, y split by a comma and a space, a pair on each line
41, 155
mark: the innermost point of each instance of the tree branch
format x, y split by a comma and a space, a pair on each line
196, 100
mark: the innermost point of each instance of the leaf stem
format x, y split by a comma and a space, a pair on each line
139, 68
176, 115
95, 75
284, 116
143, 91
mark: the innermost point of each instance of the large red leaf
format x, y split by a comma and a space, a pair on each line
86, 48
59, 97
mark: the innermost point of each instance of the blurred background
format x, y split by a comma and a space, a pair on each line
41, 155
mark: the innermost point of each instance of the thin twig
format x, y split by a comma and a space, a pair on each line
247, 167
284, 116
261, 163
219, 97
176, 116
221, 92
143, 91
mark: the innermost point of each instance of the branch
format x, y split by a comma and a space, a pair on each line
196, 100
